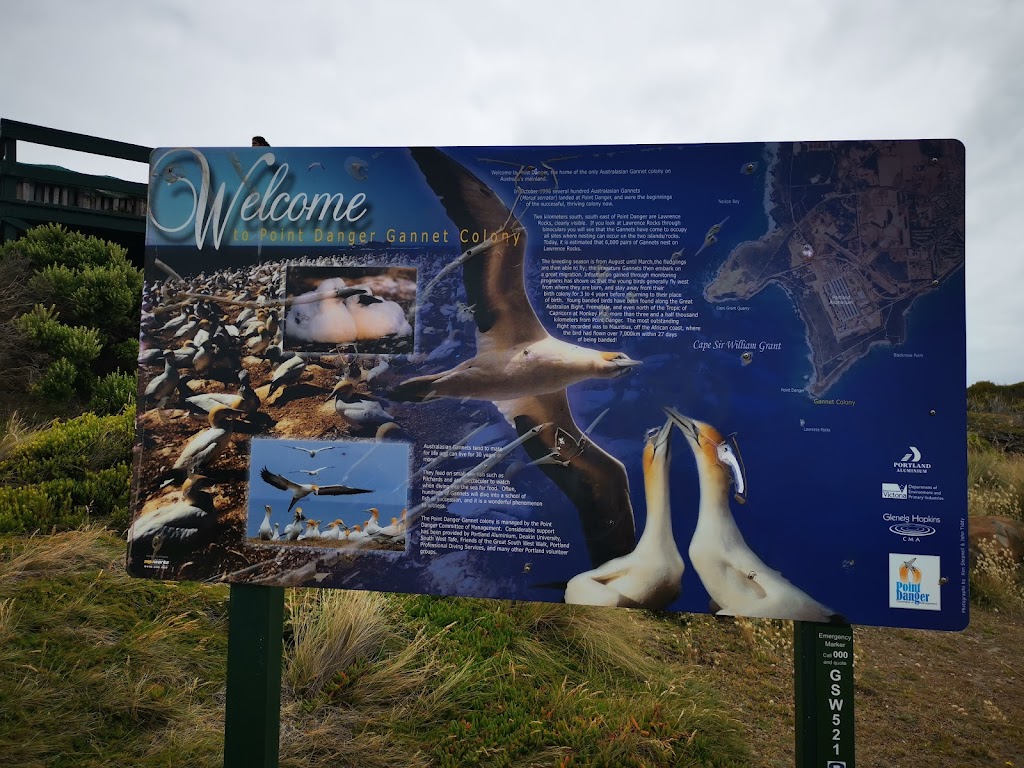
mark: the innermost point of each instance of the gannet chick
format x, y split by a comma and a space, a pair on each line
737, 580
208, 444
277, 532
376, 318
322, 315
301, 490
651, 575
515, 355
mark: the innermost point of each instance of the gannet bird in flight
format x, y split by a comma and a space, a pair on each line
651, 575
515, 355
301, 490
736, 579
312, 452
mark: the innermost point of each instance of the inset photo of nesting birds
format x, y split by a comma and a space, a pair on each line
357, 310
349, 494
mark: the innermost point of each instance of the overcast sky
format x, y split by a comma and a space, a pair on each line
338, 73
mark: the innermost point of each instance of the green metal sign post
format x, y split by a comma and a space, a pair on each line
252, 717
823, 672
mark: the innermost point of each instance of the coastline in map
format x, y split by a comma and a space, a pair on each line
771, 158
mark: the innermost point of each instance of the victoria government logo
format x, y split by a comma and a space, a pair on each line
914, 582
894, 491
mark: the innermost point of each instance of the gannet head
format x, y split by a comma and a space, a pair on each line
714, 450
658, 446
220, 413
193, 485
612, 364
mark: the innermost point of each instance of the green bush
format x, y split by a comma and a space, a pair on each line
53, 245
112, 393
75, 472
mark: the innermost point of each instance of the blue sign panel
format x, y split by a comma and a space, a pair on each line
723, 378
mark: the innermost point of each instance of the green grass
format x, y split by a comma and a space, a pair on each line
97, 669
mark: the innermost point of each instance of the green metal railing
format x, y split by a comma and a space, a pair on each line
17, 214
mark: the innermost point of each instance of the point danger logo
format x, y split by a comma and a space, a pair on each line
914, 582
894, 491
911, 463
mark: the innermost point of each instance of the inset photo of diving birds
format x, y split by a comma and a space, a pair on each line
320, 493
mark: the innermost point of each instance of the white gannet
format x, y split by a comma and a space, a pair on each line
301, 490
208, 444
314, 472
333, 531
180, 520
294, 528
161, 387
266, 532
736, 579
361, 410
651, 575
312, 452
356, 533
372, 525
288, 372
515, 355
246, 400
277, 532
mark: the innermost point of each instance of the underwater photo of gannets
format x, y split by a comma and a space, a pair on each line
351, 309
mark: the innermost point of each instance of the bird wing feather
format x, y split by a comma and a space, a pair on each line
277, 481
595, 481
339, 490
493, 278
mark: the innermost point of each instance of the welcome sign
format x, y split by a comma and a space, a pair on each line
722, 378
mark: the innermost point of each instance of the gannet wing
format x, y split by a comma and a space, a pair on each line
277, 481
595, 481
493, 277
339, 490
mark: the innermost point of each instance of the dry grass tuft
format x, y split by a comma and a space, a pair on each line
61, 554
996, 580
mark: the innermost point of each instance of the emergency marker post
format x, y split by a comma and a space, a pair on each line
823, 688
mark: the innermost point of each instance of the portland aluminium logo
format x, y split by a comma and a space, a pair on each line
911, 463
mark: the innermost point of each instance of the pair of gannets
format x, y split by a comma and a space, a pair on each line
737, 580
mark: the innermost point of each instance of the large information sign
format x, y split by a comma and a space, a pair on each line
723, 378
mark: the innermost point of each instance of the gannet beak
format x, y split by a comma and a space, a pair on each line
685, 424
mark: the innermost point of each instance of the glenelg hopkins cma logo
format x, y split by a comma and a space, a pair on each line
911, 463
914, 582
